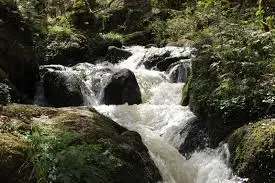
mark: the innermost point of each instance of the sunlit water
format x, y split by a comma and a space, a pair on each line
160, 120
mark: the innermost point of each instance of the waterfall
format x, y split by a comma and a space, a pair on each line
160, 120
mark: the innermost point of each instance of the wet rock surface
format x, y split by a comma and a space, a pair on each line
196, 139
122, 88
114, 54
62, 89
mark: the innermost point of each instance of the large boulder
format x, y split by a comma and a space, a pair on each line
122, 88
99, 78
153, 60
252, 149
74, 48
197, 138
62, 88
143, 37
17, 58
114, 54
74, 144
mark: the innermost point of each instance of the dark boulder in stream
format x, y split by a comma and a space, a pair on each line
114, 54
62, 89
197, 138
122, 88
153, 60
164, 64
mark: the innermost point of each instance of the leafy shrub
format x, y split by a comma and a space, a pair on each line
4, 94
60, 25
113, 36
63, 157
233, 79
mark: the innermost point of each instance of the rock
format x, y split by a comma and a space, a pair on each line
100, 47
153, 60
144, 37
122, 88
99, 80
13, 158
164, 64
182, 43
17, 58
179, 72
62, 89
85, 145
151, 45
114, 54
196, 139
47, 68
162, 61
252, 151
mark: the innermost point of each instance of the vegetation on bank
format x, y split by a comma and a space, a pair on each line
232, 81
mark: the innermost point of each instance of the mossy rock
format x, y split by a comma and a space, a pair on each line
185, 93
75, 144
252, 150
13, 167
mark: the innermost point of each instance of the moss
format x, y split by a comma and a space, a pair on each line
252, 150
185, 93
13, 167
26, 112
114, 36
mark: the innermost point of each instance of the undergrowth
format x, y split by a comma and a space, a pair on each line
61, 156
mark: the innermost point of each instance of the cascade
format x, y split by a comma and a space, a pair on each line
160, 120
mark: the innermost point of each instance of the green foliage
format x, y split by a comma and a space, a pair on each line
60, 25
60, 156
206, 15
79, 4
189, 23
232, 78
185, 93
113, 36
175, 4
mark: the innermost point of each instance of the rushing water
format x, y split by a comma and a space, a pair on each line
160, 120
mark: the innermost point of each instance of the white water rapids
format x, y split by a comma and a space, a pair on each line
161, 121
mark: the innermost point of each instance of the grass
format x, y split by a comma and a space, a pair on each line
113, 36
